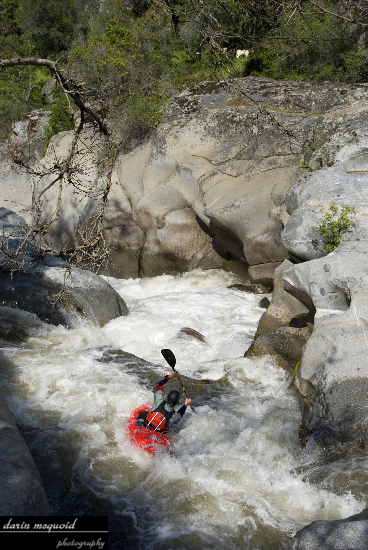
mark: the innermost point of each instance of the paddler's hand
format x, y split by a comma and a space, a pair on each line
172, 375
188, 401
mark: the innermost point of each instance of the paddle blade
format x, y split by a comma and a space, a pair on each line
169, 357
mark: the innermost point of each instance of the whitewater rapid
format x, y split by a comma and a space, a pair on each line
236, 478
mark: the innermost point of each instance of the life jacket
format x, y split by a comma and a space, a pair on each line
158, 419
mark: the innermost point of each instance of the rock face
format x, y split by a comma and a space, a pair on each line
22, 492
26, 144
332, 377
218, 161
285, 326
340, 175
42, 279
210, 184
350, 533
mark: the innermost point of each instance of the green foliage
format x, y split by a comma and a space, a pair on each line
356, 62
139, 63
114, 51
8, 21
334, 224
145, 110
296, 370
61, 118
133, 55
20, 87
311, 45
304, 165
55, 25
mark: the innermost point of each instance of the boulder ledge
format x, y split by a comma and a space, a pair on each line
42, 285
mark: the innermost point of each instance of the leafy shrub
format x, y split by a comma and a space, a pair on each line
20, 87
311, 46
135, 66
334, 224
54, 26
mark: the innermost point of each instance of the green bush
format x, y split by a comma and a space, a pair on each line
8, 20
334, 224
137, 65
54, 26
311, 46
133, 55
20, 87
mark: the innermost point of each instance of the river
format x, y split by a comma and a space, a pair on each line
236, 477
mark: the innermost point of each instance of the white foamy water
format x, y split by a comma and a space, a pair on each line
236, 477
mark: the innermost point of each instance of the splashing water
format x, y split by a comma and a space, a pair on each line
236, 477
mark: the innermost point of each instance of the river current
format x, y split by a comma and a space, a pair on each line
236, 477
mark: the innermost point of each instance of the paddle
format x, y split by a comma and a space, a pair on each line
171, 360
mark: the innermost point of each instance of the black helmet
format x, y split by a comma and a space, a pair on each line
173, 397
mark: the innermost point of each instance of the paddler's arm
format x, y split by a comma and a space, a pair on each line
159, 394
180, 412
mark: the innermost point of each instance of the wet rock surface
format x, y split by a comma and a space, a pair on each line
22, 492
350, 533
332, 375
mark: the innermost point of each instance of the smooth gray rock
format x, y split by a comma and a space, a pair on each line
346, 534
209, 185
40, 283
22, 492
332, 377
27, 141
283, 307
340, 175
263, 274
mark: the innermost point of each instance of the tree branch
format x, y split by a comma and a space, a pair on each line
67, 85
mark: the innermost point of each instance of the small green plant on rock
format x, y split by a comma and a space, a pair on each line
334, 224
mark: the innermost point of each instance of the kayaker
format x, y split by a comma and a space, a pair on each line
163, 415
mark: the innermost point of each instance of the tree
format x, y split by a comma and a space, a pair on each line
8, 22
54, 26
93, 249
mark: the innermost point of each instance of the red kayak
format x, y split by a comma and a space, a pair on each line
144, 438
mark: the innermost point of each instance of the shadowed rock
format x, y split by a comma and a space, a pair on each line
40, 284
332, 377
264, 303
22, 492
345, 534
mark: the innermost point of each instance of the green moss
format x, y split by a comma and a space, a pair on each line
304, 165
296, 370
